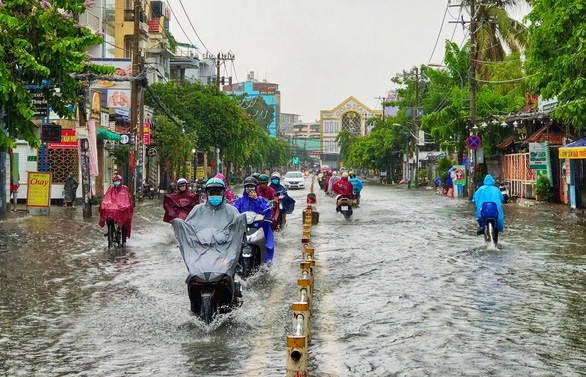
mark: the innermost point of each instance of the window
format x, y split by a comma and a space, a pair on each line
294, 174
351, 122
331, 146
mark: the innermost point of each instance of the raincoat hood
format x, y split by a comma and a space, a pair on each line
489, 180
221, 176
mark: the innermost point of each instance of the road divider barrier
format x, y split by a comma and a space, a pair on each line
298, 342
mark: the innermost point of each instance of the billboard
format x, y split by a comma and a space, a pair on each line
114, 94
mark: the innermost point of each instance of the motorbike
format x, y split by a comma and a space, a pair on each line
148, 191
344, 205
211, 257
286, 207
489, 214
505, 191
253, 253
356, 199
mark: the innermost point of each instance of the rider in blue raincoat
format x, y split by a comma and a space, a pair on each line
250, 201
489, 193
357, 185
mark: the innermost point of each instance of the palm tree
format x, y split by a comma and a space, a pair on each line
496, 30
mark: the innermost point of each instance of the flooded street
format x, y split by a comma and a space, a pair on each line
404, 288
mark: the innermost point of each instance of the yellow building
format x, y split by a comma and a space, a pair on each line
124, 19
351, 115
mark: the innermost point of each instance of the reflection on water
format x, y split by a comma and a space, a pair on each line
403, 288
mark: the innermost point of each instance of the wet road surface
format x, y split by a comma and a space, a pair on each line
404, 288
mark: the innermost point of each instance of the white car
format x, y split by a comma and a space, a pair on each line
294, 179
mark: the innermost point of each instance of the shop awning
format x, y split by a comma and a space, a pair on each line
574, 150
108, 135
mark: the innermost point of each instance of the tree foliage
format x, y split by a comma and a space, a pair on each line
173, 144
555, 59
40, 42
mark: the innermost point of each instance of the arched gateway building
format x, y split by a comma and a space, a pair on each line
351, 116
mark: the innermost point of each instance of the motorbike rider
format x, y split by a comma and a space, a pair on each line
331, 182
357, 185
117, 206
229, 194
343, 187
489, 193
179, 204
214, 213
328, 176
280, 193
250, 201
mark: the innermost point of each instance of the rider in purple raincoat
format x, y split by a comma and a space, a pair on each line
250, 201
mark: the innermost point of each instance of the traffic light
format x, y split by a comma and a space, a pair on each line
295, 160
223, 80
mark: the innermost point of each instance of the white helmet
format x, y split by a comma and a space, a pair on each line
276, 175
335, 173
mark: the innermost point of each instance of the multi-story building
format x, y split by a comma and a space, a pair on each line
351, 116
287, 122
158, 52
251, 89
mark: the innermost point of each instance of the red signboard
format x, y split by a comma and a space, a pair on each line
147, 134
68, 140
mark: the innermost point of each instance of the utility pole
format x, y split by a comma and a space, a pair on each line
219, 59
472, 86
3, 207
85, 157
416, 127
134, 99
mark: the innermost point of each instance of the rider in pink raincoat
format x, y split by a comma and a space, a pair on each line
229, 194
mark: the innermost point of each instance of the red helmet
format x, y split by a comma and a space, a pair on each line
117, 177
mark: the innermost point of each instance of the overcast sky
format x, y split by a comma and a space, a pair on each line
320, 52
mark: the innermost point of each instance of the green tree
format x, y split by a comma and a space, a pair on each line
40, 41
496, 32
556, 56
213, 116
173, 144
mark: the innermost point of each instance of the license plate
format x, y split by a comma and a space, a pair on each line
344, 208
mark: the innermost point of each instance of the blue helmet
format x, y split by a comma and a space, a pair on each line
215, 183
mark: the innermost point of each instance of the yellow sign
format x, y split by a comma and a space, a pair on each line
96, 104
573, 153
39, 190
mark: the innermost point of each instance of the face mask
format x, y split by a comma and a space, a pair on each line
215, 200
275, 181
116, 184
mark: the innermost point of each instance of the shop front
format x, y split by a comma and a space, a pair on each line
573, 156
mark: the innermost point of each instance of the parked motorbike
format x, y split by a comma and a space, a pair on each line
504, 187
344, 205
253, 253
211, 257
489, 214
148, 191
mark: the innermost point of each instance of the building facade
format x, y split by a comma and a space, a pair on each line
251, 89
351, 115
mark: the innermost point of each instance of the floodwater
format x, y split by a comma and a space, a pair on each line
404, 288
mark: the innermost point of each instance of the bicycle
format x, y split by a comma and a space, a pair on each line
116, 234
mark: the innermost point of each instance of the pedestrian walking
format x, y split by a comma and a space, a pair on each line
69, 191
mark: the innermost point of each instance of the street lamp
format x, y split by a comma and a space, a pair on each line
194, 151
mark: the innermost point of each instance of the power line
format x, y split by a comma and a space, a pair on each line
195, 31
179, 23
439, 34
